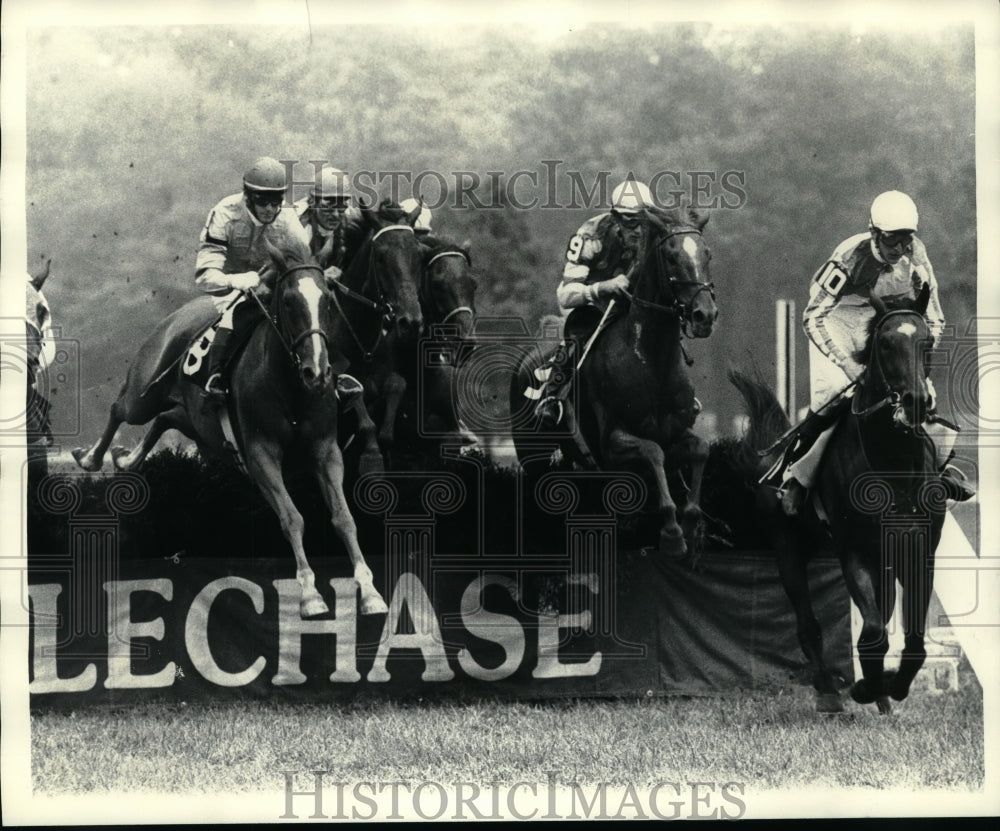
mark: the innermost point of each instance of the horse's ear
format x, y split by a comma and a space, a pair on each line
466, 248
369, 215
277, 256
38, 280
923, 298
411, 217
697, 219
879, 305
325, 255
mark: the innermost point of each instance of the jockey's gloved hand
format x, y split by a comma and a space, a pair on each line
615, 287
244, 282
332, 273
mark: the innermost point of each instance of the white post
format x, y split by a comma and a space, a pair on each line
784, 359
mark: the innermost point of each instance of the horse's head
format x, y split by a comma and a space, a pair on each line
895, 357
391, 261
447, 288
303, 311
676, 260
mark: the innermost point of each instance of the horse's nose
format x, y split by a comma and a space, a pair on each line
407, 326
314, 378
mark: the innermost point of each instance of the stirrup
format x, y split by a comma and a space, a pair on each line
214, 387
348, 385
550, 411
793, 497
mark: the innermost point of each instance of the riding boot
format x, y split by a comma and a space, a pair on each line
943, 433
550, 410
218, 353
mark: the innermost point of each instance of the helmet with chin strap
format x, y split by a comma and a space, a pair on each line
265, 175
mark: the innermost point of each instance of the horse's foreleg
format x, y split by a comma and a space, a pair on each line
330, 472
92, 458
864, 582
393, 390
794, 579
693, 451
364, 434
917, 578
264, 466
647, 457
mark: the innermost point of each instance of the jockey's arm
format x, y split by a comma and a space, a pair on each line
934, 313
573, 290
214, 281
822, 303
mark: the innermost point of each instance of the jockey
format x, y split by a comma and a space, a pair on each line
231, 251
422, 227
597, 258
888, 261
327, 212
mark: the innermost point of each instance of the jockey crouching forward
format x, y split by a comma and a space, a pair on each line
231, 252
887, 262
597, 258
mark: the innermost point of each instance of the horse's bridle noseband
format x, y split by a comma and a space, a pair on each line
291, 346
683, 310
891, 398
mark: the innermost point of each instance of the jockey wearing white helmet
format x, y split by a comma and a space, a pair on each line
231, 250
887, 261
422, 227
598, 256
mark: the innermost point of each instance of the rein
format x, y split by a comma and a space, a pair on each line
290, 347
379, 305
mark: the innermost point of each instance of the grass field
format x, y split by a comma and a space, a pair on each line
764, 741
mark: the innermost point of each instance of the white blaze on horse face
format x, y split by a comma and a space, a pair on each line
690, 247
313, 295
907, 329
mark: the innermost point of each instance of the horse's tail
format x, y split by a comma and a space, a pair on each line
767, 422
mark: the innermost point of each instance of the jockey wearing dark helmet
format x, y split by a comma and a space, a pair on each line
231, 251
888, 261
598, 256
327, 212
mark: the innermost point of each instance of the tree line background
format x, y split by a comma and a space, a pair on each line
135, 133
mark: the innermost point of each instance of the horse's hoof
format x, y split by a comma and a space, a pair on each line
894, 687
673, 548
313, 607
79, 455
117, 454
829, 703
371, 463
861, 694
884, 707
373, 606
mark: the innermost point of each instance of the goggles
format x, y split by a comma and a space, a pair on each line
894, 239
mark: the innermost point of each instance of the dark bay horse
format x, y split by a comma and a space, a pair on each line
283, 401
636, 399
377, 300
878, 500
448, 302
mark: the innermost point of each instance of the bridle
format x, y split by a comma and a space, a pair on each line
426, 292
683, 310
290, 347
380, 304
891, 398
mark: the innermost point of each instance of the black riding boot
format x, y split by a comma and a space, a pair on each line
218, 352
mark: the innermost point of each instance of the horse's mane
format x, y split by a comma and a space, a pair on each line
669, 216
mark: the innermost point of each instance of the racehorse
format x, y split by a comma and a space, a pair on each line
878, 500
377, 300
448, 302
636, 400
39, 349
283, 403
